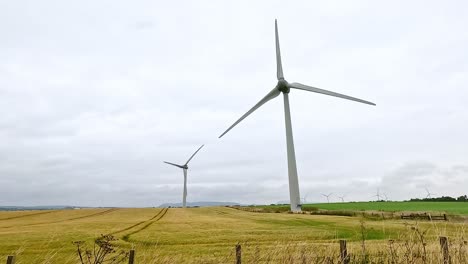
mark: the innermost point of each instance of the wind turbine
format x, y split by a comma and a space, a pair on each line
342, 198
185, 168
304, 199
284, 87
328, 196
428, 196
377, 195
386, 197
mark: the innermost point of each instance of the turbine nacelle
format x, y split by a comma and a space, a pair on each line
283, 86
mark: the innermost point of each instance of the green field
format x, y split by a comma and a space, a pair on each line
200, 235
460, 208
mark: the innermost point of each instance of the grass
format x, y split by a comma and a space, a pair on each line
438, 207
199, 235
455, 208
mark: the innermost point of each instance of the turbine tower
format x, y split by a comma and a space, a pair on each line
284, 87
185, 168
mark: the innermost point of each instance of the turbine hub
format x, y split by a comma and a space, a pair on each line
283, 86
185, 167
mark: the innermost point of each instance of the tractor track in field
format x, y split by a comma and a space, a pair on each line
147, 223
66, 220
26, 215
137, 224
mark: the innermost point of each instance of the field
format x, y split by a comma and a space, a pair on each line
450, 208
209, 235
458, 208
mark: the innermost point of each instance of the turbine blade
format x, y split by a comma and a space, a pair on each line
279, 66
321, 91
193, 154
173, 164
272, 94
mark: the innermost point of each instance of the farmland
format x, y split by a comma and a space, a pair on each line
455, 208
199, 235
437, 207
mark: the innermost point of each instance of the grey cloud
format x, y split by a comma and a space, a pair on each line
411, 173
414, 177
94, 96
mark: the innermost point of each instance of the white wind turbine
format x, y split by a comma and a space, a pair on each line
185, 168
342, 198
328, 196
386, 197
429, 194
377, 195
304, 199
284, 87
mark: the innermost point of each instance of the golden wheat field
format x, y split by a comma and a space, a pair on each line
209, 235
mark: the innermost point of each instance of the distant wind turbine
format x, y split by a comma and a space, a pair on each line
429, 194
304, 199
342, 198
386, 197
328, 196
377, 195
185, 168
284, 87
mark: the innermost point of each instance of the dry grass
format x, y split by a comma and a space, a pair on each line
208, 235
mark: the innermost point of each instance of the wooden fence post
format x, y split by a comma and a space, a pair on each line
445, 250
131, 257
343, 252
238, 254
10, 260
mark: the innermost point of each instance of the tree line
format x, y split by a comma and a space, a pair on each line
462, 198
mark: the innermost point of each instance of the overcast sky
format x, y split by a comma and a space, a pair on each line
94, 95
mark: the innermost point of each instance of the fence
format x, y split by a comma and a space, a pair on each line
425, 216
344, 257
